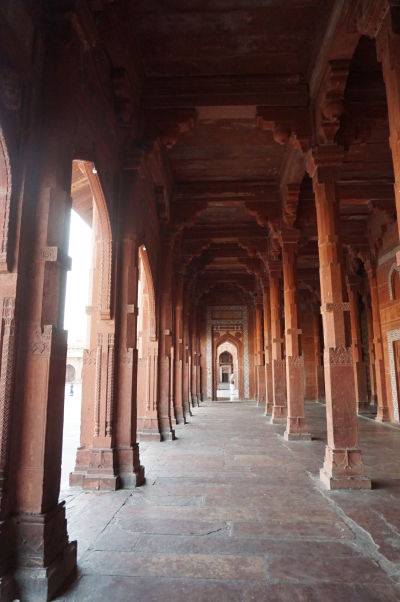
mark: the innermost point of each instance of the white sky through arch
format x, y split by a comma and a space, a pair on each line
78, 279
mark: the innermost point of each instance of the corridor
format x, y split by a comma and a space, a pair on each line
233, 512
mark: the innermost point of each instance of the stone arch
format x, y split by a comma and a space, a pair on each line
5, 202
104, 234
147, 273
229, 343
147, 349
394, 272
70, 374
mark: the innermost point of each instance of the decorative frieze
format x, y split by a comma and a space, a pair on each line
339, 356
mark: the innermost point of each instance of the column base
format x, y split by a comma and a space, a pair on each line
269, 408
131, 480
130, 471
382, 414
179, 415
168, 435
296, 429
279, 415
46, 559
363, 407
43, 584
95, 470
187, 409
344, 469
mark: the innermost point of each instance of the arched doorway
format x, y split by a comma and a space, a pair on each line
91, 327
227, 364
147, 349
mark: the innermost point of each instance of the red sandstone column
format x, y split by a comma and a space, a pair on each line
131, 473
360, 370
43, 557
260, 367
279, 410
193, 382
319, 368
380, 383
186, 366
164, 408
296, 425
178, 398
343, 465
267, 346
388, 48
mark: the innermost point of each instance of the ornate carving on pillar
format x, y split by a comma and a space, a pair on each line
99, 351
110, 385
7, 373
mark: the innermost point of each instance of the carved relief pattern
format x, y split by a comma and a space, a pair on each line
339, 356
6, 374
393, 335
89, 357
105, 277
98, 386
110, 385
40, 343
393, 268
295, 361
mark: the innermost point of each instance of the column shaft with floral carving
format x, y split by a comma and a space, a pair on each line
296, 425
343, 465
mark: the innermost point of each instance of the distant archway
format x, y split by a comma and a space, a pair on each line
227, 362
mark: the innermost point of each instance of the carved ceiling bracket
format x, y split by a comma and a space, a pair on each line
288, 125
330, 102
290, 204
168, 124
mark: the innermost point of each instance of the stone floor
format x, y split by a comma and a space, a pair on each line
233, 512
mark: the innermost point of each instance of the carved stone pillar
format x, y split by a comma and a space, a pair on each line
319, 367
193, 382
130, 471
179, 359
279, 410
166, 325
343, 465
360, 369
379, 365
387, 34
267, 352
296, 425
260, 367
43, 557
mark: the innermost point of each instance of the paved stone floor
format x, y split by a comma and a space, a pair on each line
233, 512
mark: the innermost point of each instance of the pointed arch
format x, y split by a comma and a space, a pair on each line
105, 239
5, 203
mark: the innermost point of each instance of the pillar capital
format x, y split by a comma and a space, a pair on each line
289, 236
274, 267
321, 160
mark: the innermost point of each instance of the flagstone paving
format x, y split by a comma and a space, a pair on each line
231, 511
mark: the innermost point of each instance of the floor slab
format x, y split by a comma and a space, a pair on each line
232, 511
